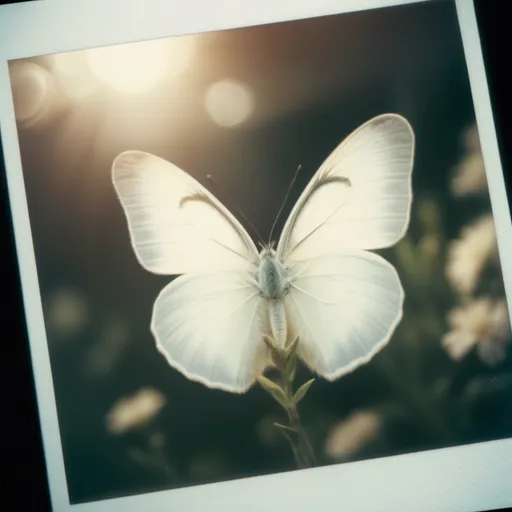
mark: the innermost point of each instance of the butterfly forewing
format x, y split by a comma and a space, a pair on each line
176, 225
359, 198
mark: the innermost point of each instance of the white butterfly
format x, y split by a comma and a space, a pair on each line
320, 283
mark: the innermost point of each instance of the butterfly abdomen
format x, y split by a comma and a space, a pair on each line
273, 283
277, 318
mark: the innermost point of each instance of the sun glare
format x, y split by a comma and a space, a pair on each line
137, 67
72, 73
229, 103
31, 86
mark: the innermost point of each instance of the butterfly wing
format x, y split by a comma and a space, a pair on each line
345, 302
344, 309
175, 224
207, 323
359, 198
209, 327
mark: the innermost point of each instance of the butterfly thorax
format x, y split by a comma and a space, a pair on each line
272, 275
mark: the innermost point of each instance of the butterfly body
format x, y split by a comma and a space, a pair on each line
322, 283
273, 278
271, 282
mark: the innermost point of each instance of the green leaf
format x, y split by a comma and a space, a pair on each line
291, 368
300, 393
273, 389
271, 344
292, 347
285, 429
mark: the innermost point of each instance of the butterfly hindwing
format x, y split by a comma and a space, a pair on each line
344, 309
209, 326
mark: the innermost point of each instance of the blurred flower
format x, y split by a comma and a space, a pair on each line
469, 178
484, 324
351, 435
135, 411
67, 312
472, 139
468, 255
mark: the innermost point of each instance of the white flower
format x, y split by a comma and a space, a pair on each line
469, 177
468, 255
135, 411
347, 437
472, 139
484, 324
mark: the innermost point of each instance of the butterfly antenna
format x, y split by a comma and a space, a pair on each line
211, 179
284, 202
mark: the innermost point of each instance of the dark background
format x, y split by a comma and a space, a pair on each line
26, 456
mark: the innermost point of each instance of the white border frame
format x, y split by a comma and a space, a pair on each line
473, 477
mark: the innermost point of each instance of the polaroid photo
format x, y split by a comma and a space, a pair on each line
265, 252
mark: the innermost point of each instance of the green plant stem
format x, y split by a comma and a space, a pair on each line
285, 362
304, 454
